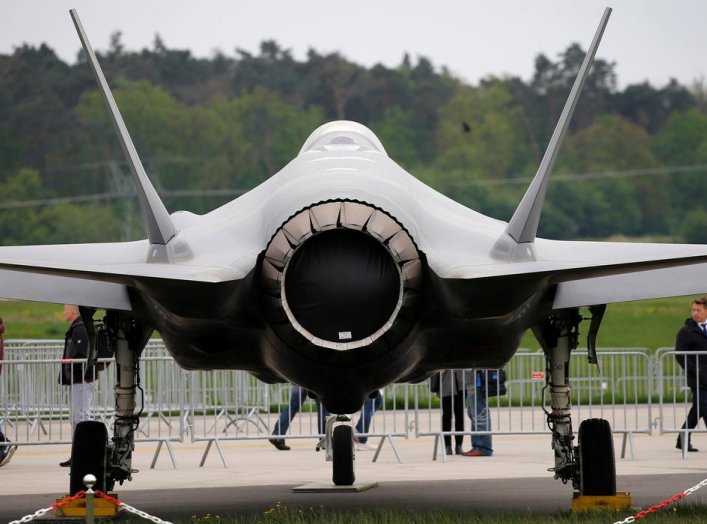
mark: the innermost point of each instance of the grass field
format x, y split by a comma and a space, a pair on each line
34, 320
678, 514
651, 323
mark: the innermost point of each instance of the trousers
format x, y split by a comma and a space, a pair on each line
81, 399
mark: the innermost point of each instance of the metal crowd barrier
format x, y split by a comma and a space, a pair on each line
675, 395
221, 405
618, 390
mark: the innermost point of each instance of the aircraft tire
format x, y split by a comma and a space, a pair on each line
597, 464
343, 457
88, 455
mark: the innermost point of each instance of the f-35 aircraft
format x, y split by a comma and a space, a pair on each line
343, 273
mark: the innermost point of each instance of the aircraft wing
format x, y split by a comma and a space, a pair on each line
67, 290
657, 283
96, 275
589, 273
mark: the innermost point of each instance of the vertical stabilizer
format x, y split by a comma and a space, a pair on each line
160, 228
523, 226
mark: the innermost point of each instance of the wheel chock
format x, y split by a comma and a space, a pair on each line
621, 501
77, 508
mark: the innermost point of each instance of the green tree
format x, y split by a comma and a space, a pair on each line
649, 107
682, 141
481, 132
50, 223
397, 133
158, 124
552, 82
274, 69
606, 206
333, 82
252, 136
692, 229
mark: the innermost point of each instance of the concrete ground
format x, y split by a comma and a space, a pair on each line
259, 476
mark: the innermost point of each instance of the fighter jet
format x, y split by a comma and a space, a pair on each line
343, 273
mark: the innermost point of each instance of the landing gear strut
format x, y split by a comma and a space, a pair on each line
590, 466
91, 452
129, 339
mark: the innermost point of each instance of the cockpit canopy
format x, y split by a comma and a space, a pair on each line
343, 135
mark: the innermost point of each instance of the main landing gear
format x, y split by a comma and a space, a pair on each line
91, 451
590, 465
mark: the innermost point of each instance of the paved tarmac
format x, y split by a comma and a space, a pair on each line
259, 476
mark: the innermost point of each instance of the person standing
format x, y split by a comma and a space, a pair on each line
692, 338
450, 386
6, 452
298, 396
487, 384
79, 376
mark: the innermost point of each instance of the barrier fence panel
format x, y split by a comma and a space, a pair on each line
227, 404
36, 407
619, 390
676, 397
232, 405
161, 399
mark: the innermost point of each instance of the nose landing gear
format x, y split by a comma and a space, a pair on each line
339, 445
343, 455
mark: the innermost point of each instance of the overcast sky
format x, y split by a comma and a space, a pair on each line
650, 40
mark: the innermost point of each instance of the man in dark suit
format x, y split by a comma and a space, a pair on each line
692, 338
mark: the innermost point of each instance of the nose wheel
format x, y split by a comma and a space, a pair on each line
343, 456
339, 445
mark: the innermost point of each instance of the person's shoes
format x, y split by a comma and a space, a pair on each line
363, 446
690, 447
6, 453
448, 450
65, 464
321, 444
473, 453
279, 443
458, 449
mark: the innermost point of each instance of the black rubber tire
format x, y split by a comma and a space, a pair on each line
597, 464
88, 455
343, 456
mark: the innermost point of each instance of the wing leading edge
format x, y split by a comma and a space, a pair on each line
657, 283
589, 273
96, 275
64, 290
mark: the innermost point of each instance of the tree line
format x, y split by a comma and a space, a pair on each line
207, 129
